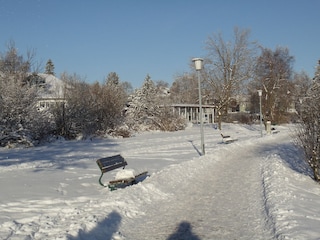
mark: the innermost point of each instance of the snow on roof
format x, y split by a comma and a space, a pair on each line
54, 87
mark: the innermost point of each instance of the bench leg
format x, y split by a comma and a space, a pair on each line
112, 187
101, 182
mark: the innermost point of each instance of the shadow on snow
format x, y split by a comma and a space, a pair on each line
104, 229
292, 156
58, 155
184, 231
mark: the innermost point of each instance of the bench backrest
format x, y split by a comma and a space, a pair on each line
111, 163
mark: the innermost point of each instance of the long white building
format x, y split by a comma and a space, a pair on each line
191, 112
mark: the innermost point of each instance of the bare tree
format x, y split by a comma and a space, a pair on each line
73, 116
90, 108
114, 100
184, 89
302, 83
227, 68
274, 76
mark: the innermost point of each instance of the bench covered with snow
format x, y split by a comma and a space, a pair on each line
123, 178
227, 139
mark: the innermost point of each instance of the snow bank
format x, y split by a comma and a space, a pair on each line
292, 198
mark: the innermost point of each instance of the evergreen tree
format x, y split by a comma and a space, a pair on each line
112, 79
147, 110
141, 102
49, 67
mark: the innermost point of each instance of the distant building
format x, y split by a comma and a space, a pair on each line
191, 112
51, 93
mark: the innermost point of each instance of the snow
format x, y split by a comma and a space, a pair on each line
253, 188
125, 173
54, 86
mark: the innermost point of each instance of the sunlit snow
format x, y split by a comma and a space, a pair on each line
254, 188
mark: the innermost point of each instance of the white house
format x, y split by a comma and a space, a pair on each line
52, 92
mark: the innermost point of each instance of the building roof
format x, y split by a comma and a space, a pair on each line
53, 87
191, 105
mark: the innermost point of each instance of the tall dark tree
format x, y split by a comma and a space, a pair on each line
112, 79
184, 89
49, 67
273, 75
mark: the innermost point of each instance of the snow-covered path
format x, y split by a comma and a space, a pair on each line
222, 199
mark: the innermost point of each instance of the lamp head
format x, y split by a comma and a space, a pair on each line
197, 63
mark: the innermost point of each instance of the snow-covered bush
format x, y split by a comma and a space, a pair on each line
19, 118
148, 109
309, 131
89, 109
20, 122
120, 131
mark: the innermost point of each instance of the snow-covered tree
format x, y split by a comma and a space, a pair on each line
149, 109
20, 122
309, 132
141, 104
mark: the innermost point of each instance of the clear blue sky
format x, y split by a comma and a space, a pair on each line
157, 37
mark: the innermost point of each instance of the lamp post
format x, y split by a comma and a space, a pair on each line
198, 65
260, 95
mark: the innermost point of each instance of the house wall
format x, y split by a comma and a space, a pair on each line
191, 112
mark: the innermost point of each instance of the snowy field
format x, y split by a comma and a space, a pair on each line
253, 188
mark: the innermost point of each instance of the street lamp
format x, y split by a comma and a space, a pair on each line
260, 95
198, 65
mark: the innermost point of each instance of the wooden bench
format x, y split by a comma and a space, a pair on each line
110, 163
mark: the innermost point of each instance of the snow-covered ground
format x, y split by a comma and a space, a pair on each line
254, 188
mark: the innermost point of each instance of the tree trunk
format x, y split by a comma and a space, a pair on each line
315, 166
219, 121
